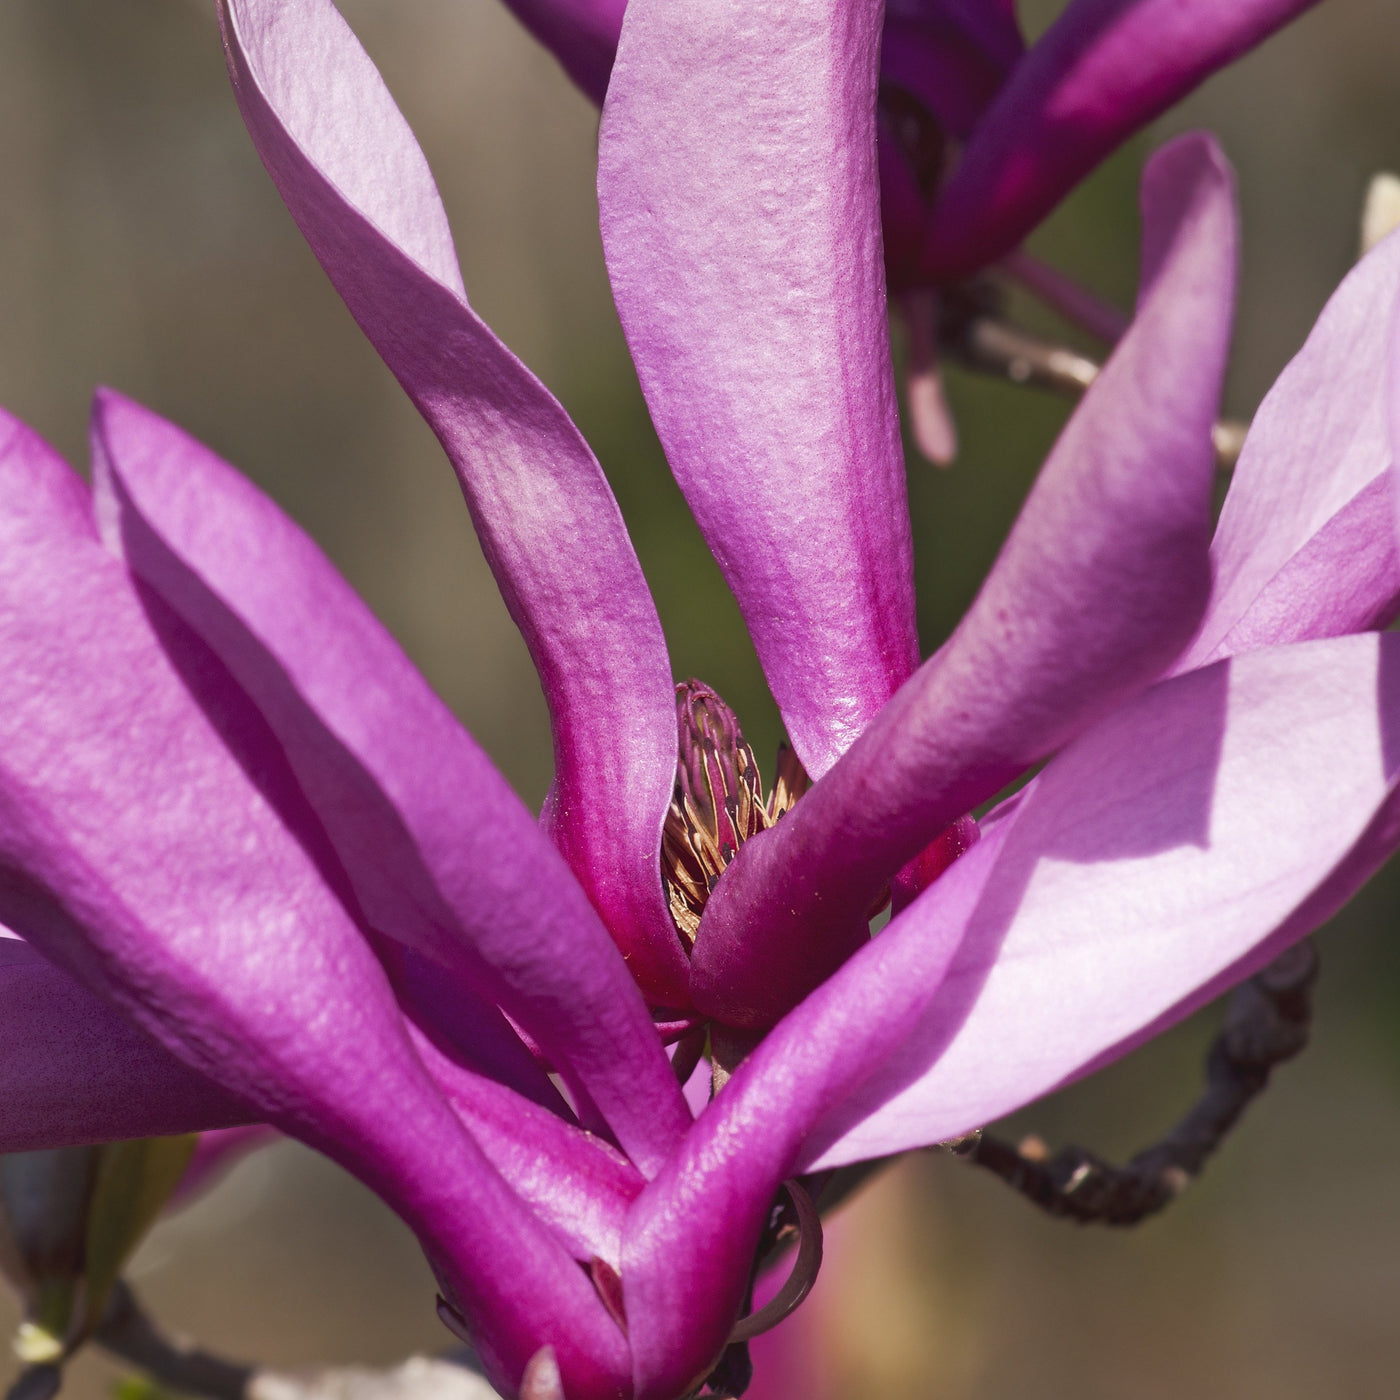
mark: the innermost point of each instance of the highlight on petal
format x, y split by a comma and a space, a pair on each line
739, 202
1103, 70
581, 34
1177, 846
1180, 843
73, 1071
141, 857
357, 184
1102, 581
439, 851
1319, 440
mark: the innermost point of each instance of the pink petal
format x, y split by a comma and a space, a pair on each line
439, 850
148, 862
1173, 850
740, 213
1102, 71
1345, 579
1319, 440
73, 1071
1102, 581
358, 186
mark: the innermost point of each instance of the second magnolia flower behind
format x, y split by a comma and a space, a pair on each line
261, 873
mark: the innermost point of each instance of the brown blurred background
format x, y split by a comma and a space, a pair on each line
142, 246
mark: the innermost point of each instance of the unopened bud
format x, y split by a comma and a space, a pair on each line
70, 1218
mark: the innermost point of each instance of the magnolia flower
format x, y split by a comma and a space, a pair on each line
260, 874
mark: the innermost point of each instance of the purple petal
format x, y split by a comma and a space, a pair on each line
1102, 581
358, 186
953, 55
1315, 450
146, 861
73, 1071
458, 1015
438, 849
1180, 841
581, 34
576, 1183
1102, 71
1174, 849
740, 212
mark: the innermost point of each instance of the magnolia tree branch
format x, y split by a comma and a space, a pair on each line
1268, 1021
128, 1333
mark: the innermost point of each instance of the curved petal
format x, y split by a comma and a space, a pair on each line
438, 849
1345, 579
458, 1014
1178, 842
1319, 439
349, 170
1101, 582
739, 202
73, 1071
143, 858
1103, 70
581, 34
576, 1183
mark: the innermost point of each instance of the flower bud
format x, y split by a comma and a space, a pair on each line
70, 1218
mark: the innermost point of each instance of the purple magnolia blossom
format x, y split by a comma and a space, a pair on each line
1031, 121
260, 874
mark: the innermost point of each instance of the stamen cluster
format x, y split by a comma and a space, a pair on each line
718, 802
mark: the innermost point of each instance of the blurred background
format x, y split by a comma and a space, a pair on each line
142, 246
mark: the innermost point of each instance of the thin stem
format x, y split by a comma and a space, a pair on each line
1075, 302
39, 1382
976, 334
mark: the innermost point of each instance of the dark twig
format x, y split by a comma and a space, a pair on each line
39, 1382
128, 1333
1267, 1023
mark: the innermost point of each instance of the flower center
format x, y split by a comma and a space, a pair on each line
718, 802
